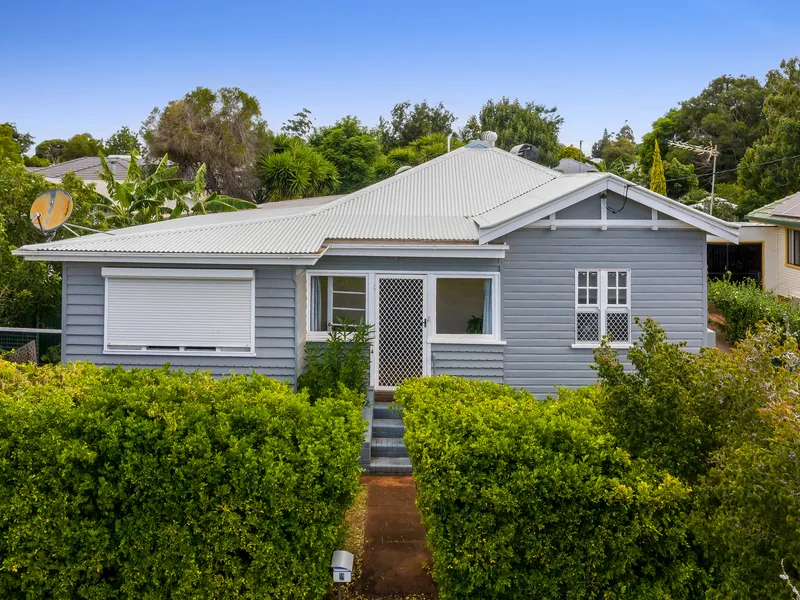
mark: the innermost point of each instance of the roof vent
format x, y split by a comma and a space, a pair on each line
526, 151
402, 169
489, 136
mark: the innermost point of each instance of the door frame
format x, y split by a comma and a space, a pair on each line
426, 346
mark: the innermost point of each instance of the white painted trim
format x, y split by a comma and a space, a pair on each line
602, 306
496, 325
619, 345
145, 352
603, 225
477, 340
133, 273
249, 260
419, 250
28, 330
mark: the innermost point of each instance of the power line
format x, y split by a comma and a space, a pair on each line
768, 162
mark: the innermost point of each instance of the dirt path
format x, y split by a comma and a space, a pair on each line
395, 551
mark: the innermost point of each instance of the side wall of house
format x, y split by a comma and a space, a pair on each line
788, 275
83, 307
668, 283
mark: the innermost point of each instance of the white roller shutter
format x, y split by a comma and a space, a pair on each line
183, 310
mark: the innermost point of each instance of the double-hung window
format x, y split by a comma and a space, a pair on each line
185, 311
335, 299
602, 306
793, 247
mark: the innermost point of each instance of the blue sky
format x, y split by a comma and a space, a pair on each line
93, 67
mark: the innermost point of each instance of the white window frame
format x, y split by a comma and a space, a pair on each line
156, 273
602, 306
465, 338
791, 259
369, 316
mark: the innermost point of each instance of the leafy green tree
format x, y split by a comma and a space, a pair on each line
350, 147
573, 153
517, 123
658, 181
159, 196
300, 126
618, 168
295, 170
9, 147
597, 147
35, 161
223, 130
25, 140
51, 150
782, 139
81, 145
626, 133
422, 150
124, 141
620, 149
408, 123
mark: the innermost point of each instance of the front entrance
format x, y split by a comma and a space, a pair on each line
400, 329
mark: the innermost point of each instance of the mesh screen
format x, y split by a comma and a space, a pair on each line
618, 326
587, 326
401, 330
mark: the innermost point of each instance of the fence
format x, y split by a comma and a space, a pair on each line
48, 342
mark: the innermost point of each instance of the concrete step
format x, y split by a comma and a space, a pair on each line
386, 410
387, 465
388, 447
387, 428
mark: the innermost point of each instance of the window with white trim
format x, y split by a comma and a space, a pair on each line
602, 305
334, 299
464, 306
168, 311
793, 247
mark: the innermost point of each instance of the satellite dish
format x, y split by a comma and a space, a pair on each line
50, 210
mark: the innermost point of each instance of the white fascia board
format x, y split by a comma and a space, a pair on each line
169, 258
419, 250
672, 208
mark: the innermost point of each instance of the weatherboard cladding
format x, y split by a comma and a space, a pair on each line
83, 307
668, 277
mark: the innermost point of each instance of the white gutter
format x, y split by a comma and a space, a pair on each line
418, 250
168, 257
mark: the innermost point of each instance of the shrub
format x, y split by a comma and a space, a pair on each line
342, 360
160, 484
745, 304
529, 499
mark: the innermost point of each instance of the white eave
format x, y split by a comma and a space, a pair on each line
169, 257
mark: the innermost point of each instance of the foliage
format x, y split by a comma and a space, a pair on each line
573, 153
523, 498
51, 150
25, 140
301, 126
700, 199
517, 123
618, 168
30, 292
160, 484
745, 304
420, 151
9, 147
158, 196
79, 146
782, 138
343, 360
680, 178
35, 161
622, 148
658, 181
123, 141
350, 147
599, 145
407, 124
295, 170
223, 130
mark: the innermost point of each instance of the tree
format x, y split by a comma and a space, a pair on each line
408, 124
223, 130
9, 147
295, 170
159, 196
51, 150
25, 140
658, 181
597, 147
517, 123
301, 126
352, 150
81, 145
422, 150
573, 153
621, 148
124, 141
626, 133
780, 177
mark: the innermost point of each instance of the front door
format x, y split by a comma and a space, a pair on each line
400, 329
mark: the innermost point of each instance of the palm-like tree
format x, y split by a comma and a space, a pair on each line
295, 170
159, 196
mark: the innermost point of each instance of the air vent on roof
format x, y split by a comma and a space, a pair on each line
402, 169
527, 151
489, 136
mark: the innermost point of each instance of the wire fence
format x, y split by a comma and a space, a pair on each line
48, 342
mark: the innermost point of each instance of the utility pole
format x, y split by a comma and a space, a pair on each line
712, 152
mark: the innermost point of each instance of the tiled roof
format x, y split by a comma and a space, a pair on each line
771, 213
87, 168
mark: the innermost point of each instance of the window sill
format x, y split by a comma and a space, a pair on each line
177, 353
618, 345
466, 340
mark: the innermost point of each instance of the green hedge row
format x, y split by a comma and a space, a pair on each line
534, 499
153, 484
745, 304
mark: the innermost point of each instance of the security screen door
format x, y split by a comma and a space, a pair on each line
401, 329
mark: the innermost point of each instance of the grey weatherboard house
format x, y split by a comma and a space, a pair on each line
479, 263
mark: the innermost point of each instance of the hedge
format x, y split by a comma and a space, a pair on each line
745, 304
534, 499
153, 484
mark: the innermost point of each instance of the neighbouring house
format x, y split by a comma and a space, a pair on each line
479, 263
754, 257
87, 168
783, 220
